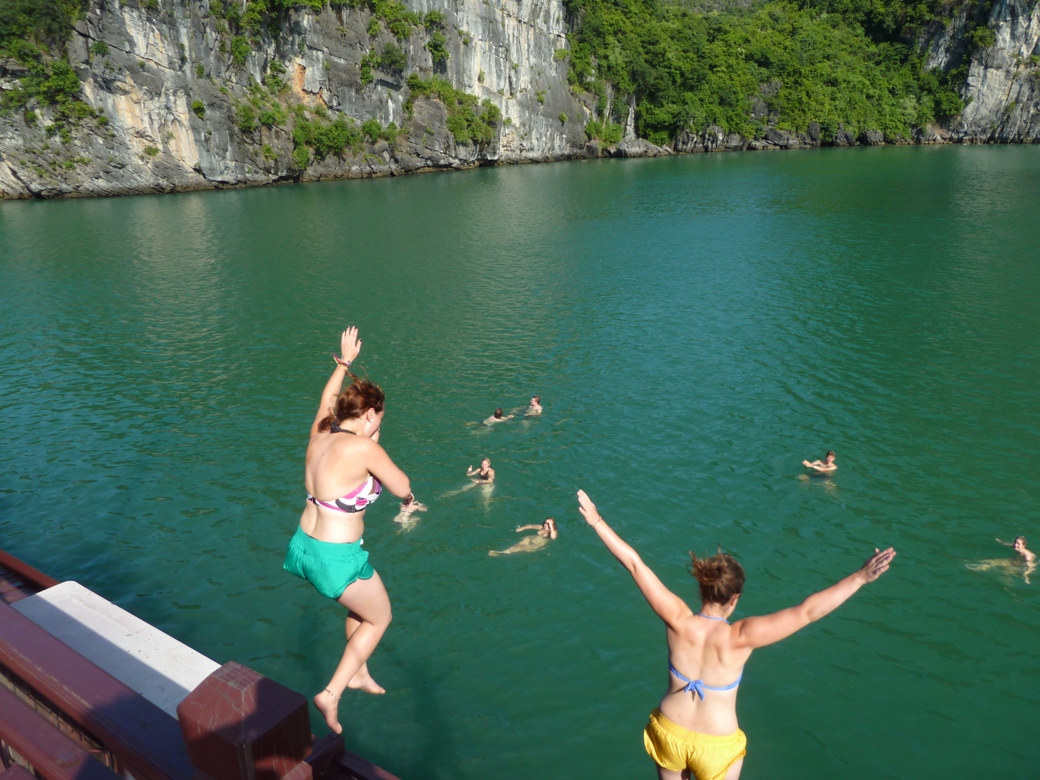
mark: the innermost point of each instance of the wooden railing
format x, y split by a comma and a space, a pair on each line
134, 734
29, 738
68, 719
19, 580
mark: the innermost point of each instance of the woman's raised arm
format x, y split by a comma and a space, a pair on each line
669, 607
349, 348
760, 631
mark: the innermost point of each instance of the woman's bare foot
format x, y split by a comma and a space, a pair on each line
362, 681
328, 706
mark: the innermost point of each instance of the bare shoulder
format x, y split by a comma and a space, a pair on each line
367, 446
688, 627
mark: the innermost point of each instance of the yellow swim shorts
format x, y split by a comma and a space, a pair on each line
707, 756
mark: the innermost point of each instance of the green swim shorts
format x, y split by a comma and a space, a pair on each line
329, 566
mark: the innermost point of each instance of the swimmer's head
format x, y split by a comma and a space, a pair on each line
537, 399
485, 463
356, 401
1019, 542
720, 577
550, 526
498, 413
830, 455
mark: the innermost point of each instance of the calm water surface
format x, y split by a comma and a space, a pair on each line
696, 327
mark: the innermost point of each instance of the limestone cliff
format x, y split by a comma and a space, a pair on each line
182, 104
169, 94
1003, 84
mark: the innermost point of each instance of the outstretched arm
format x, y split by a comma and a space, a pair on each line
755, 632
532, 527
350, 346
669, 607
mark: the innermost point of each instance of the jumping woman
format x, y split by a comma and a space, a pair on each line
694, 733
346, 470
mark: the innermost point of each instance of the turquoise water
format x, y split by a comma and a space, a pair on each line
695, 326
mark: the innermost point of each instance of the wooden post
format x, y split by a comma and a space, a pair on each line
240, 725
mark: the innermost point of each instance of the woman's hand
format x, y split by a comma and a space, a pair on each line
587, 508
877, 564
349, 346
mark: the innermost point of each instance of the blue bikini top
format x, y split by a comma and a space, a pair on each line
699, 686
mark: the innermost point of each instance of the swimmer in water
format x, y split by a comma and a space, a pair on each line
826, 466
497, 417
546, 533
694, 733
1018, 544
345, 471
535, 408
484, 475
408, 516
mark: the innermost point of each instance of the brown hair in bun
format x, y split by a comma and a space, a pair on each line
720, 577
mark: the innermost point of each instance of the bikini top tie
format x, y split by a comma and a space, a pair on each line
699, 686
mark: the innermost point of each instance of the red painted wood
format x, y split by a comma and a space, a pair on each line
16, 773
13, 588
361, 769
240, 725
52, 754
324, 751
146, 740
31, 575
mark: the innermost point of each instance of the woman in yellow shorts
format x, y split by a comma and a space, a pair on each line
693, 733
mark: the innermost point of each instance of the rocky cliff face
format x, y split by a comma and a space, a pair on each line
170, 94
180, 109
1003, 85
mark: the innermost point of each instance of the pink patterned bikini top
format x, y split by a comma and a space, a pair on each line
356, 500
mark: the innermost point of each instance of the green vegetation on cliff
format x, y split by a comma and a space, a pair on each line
775, 64
40, 21
29, 31
469, 119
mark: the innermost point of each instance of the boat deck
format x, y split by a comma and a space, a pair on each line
69, 714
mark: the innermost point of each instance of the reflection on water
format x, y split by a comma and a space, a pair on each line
823, 482
696, 325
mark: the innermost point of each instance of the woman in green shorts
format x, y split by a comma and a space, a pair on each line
346, 471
